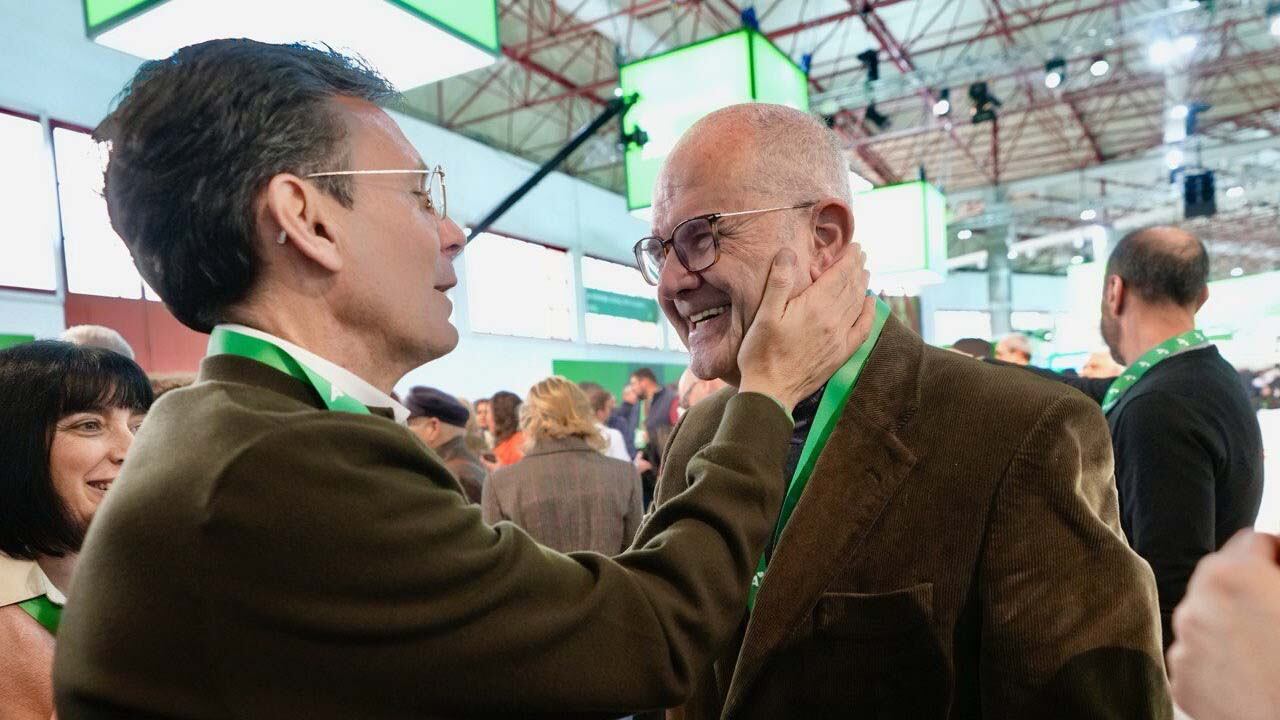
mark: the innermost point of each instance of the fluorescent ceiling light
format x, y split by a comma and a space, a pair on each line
1099, 67
408, 50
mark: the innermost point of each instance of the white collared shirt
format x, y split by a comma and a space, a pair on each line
338, 376
21, 580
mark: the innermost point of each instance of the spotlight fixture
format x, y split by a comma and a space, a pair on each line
1235, 192
876, 117
965, 234
984, 103
1088, 214
1237, 271
1273, 18
870, 60
1055, 71
943, 105
1099, 66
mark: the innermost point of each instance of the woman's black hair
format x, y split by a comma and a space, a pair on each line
40, 383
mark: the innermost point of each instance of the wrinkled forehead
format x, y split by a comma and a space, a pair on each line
704, 177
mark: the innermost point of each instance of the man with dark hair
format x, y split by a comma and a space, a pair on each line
973, 347
653, 416
1188, 449
280, 532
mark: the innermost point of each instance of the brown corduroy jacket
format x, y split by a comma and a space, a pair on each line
261, 557
956, 554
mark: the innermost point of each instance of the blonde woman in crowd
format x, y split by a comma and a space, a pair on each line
565, 493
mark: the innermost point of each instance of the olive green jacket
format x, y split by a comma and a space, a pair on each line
261, 557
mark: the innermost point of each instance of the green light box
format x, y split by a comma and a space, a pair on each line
411, 42
679, 87
903, 229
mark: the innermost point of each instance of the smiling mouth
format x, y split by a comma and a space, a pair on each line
100, 485
707, 314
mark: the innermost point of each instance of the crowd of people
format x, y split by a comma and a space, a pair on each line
825, 516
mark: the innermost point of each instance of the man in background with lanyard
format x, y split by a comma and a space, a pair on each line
1187, 443
279, 546
949, 545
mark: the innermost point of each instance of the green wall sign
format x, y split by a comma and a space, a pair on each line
602, 302
613, 376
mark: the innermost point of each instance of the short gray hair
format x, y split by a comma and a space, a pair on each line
98, 336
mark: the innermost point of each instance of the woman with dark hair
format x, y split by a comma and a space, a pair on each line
67, 418
508, 441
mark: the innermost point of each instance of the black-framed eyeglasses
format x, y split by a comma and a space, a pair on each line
434, 195
696, 242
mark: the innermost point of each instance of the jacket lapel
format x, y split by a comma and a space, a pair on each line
858, 472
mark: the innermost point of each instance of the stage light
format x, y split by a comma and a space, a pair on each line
876, 117
965, 234
1237, 272
1099, 66
984, 103
1055, 71
1088, 214
870, 60
1173, 158
943, 105
1235, 192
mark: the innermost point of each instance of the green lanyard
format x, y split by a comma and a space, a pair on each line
229, 342
830, 408
1191, 340
45, 612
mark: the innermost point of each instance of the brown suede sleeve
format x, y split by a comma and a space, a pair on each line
357, 580
1053, 647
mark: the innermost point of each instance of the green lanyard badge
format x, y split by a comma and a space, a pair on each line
45, 612
830, 408
1192, 340
229, 342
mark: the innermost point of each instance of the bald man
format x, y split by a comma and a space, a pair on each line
950, 546
1187, 443
692, 389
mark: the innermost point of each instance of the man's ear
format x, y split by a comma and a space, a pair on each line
1115, 294
831, 230
297, 214
1203, 298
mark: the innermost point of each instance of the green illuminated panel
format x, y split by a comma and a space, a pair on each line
476, 20
9, 340
777, 79
903, 228
676, 89
101, 12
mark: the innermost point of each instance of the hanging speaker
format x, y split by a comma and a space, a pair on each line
1198, 198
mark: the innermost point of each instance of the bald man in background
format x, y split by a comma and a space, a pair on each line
954, 548
1187, 443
